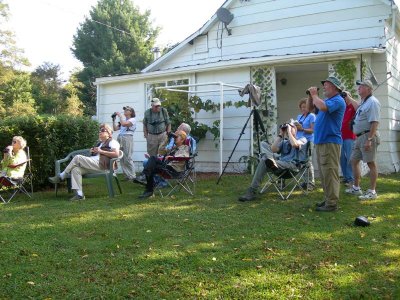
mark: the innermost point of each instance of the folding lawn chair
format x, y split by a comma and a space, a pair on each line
286, 181
9, 187
185, 180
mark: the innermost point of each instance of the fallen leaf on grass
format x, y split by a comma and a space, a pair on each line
259, 267
214, 258
30, 283
148, 230
247, 259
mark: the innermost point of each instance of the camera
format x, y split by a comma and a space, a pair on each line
171, 135
343, 95
6, 150
114, 115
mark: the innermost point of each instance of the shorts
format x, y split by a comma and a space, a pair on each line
359, 153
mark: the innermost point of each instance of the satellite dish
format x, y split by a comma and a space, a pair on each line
225, 16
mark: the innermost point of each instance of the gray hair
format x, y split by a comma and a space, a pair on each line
185, 127
21, 141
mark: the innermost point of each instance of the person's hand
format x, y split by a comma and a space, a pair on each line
146, 155
313, 91
367, 145
96, 150
169, 157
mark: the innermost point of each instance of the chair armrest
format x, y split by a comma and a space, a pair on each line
17, 165
68, 158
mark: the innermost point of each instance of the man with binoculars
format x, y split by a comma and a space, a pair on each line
328, 138
156, 126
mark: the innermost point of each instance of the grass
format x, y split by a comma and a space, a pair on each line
209, 246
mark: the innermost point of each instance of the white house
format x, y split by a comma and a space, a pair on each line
284, 46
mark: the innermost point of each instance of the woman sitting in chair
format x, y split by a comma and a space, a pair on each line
14, 159
172, 163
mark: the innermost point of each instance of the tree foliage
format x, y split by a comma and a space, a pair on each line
116, 39
16, 97
10, 55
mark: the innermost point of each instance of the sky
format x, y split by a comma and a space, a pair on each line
44, 28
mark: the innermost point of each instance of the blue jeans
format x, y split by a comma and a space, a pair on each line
345, 163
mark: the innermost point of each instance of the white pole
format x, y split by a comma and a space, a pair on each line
221, 125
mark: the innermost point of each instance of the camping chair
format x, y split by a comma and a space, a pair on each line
9, 187
286, 181
107, 174
185, 180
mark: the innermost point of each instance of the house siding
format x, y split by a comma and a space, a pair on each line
285, 27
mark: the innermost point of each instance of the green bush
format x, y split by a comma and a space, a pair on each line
49, 138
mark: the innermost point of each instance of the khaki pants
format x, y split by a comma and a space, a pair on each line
328, 158
127, 165
81, 165
154, 141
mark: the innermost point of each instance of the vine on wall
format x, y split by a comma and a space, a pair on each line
345, 70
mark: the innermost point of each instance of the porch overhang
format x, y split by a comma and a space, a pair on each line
244, 62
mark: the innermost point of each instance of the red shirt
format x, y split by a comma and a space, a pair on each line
348, 116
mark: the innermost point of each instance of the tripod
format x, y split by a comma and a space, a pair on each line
257, 125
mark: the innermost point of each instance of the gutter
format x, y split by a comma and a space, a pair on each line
230, 64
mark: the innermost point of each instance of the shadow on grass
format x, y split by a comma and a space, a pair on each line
207, 246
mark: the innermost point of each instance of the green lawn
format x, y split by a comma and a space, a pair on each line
209, 246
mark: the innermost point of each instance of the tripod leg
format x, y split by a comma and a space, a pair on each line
237, 142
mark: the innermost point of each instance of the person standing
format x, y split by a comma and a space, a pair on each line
328, 139
126, 127
156, 126
348, 138
305, 128
365, 127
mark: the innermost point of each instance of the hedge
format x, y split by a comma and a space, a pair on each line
49, 138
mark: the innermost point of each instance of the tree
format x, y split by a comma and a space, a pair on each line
10, 55
47, 87
72, 105
16, 96
116, 39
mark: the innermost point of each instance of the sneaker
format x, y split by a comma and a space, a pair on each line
326, 208
77, 198
353, 191
146, 194
249, 196
349, 184
320, 204
368, 196
55, 179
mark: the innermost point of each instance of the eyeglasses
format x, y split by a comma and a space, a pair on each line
103, 130
14, 142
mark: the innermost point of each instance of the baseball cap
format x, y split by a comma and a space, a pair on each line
336, 82
156, 102
367, 83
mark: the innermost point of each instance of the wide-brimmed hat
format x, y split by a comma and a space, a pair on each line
336, 82
366, 82
156, 102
